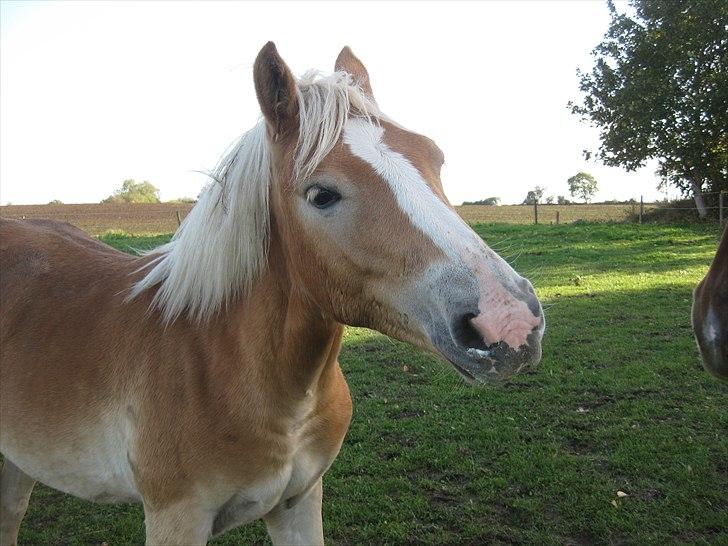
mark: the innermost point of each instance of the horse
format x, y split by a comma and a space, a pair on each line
710, 313
201, 379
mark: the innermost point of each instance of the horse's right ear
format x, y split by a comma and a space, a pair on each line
276, 90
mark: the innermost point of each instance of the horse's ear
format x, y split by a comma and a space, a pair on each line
276, 90
348, 62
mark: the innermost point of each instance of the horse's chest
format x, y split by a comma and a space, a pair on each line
311, 445
286, 484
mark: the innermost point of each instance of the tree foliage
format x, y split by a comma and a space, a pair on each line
534, 196
659, 90
132, 191
582, 185
492, 201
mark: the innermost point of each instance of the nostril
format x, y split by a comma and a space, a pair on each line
466, 335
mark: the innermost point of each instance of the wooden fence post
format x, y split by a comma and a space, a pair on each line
721, 217
179, 220
642, 207
535, 212
557, 217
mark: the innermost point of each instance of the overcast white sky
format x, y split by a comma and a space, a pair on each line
94, 93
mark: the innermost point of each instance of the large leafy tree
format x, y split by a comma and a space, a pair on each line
659, 90
582, 185
132, 191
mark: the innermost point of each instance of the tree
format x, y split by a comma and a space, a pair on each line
582, 185
530, 198
659, 90
487, 201
132, 191
56, 202
550, 199
534, 196
561, 200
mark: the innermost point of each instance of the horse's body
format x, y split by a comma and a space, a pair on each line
153, 412
710, 313
202, 380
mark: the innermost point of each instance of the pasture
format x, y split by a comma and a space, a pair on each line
619, 404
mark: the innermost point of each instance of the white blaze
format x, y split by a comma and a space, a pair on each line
424, 209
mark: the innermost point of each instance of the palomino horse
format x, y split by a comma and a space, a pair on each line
202, 379
710, 313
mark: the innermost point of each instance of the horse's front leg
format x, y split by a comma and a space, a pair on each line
297, 520
186, 522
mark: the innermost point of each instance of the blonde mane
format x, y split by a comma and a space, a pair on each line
222, 246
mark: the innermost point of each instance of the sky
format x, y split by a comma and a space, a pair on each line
93, 93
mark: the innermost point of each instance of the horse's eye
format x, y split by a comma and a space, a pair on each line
320, 197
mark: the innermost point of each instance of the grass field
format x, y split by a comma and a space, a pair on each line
619, 404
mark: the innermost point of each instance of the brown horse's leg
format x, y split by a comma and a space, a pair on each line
185, 522
297, 521
15, 489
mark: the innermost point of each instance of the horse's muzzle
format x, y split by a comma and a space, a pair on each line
479, 362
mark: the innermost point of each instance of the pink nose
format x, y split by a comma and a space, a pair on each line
511, 325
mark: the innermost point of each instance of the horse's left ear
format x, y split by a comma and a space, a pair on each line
276, 90
348, 62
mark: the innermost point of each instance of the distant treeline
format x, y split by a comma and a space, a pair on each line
487, 201
492, 201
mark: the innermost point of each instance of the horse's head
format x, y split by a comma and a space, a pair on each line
370, 236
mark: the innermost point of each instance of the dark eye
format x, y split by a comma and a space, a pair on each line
321, 197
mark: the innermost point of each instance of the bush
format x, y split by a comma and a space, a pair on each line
132, 191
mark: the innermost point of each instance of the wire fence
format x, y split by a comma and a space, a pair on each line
152, 218
550, 213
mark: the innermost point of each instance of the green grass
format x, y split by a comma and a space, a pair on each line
619, 403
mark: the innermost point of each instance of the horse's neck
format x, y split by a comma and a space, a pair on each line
293, 347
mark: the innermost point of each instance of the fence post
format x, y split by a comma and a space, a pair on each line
721, 217
535, 212
642, 207
557, 217
179, 220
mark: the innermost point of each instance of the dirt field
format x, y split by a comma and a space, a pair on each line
141, 219
95, 219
